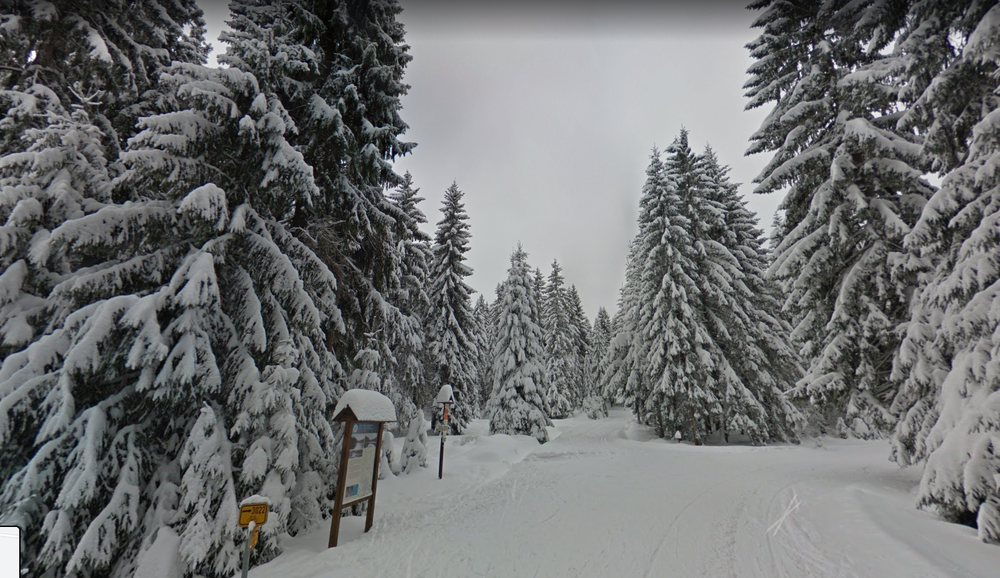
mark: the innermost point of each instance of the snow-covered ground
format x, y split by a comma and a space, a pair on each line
606, 498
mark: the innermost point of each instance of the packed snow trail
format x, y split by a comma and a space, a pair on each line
606, 499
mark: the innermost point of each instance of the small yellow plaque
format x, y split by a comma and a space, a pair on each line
256, 513
253, 536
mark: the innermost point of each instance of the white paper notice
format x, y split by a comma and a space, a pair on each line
360, 462
10, 552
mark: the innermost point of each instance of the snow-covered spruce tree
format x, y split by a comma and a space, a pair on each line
415, 257
754, 335
71, 75
114, 49
658, 250
683, 355
678, 355
281, 298
578, 321
539, 288
949, 400
517, 401
338, 68
600, 335
486, 337
854, 189
560, 356
487, 356
449, 324
58, 173
581, 328
595, 404
951, 95
616, 366
187, 364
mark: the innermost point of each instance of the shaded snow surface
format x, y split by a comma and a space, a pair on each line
606, 498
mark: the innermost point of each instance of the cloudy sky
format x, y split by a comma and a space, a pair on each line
545, 113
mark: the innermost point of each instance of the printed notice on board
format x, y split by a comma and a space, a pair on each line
10, 552
361, 462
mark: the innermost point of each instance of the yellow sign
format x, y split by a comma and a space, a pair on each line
253, 536
256, 513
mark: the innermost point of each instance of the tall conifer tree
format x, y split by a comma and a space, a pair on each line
486, 338
415, 258
187, 362
517, 401
949, 398
450, 324
559, 345
854, 189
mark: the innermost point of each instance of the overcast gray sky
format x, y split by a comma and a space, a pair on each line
545, 114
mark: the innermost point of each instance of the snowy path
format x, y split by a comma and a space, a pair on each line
594, 502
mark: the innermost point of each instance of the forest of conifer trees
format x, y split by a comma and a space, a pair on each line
196, 262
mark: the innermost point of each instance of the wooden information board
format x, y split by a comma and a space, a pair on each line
357, 478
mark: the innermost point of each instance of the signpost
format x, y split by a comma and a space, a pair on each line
364, 414
445, 397
253, 514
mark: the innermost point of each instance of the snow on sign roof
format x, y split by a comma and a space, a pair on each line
366, 405
445, 395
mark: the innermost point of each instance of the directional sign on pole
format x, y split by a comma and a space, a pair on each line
252, 515
256, 513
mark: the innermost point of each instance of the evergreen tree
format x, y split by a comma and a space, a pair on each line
754, 335
517, 400
599, 342
854, 190
337, 67
578, 321
111, 51
618, 362
687, 353
559, 346
949, 398
415, 257
539, 288
189, 294
486, 335
677, 354
580, 329
60, 174
72, 76
450, 324
211, 297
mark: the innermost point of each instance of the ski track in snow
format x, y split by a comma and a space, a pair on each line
603, 499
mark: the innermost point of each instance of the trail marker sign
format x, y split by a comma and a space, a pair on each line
256, 513
253, 513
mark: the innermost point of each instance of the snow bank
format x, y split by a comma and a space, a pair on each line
163, 559
366, 405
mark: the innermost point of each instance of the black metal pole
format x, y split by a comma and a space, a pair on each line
441, 458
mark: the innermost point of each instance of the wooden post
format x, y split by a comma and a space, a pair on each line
338, 507
370, 518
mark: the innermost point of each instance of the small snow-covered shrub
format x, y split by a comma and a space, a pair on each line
414, 452
595, 407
